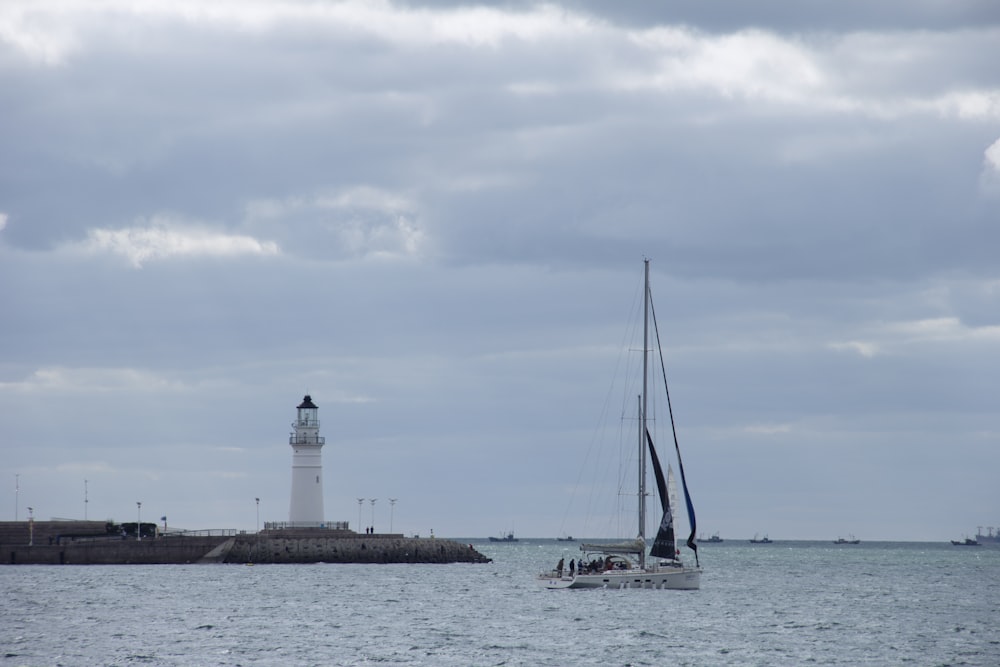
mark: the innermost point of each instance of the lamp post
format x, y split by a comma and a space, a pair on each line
392, 507
256, 537
360, 503
85, 500
31, 526
373, 514
17, 494
138, 521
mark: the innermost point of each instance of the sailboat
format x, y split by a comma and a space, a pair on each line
626, 564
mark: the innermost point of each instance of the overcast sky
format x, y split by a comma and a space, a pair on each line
432, 216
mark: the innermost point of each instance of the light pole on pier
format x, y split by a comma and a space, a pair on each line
361, 502
373, 514
138, 521
256, 537
392, 507
31, 526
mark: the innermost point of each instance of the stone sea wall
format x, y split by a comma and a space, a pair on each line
357, 549
82, 543
112, 552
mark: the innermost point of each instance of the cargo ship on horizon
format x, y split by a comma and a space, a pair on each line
992, 535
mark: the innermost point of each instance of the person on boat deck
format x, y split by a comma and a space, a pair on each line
607, 563
559, 566
572, 567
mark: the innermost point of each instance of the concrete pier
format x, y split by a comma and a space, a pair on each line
89, 543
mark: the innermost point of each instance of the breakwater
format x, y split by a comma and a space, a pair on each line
350, 549
88, 543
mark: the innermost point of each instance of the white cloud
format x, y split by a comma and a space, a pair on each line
941, 329
399, 237
51, 31
989, 178
865, 349
364, 221
991, 157
765, 67
38, 34
367, 198
162, 239
3, 221
750, 63
970, 105
846, 75
85, 468
62, 379
471, 26
896, 335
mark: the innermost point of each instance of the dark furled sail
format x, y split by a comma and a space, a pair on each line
690, 507
670, 408
665, 544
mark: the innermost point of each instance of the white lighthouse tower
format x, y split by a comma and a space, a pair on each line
306, 509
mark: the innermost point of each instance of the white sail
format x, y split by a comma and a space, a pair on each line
672, 495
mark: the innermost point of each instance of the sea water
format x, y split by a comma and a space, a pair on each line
786, 603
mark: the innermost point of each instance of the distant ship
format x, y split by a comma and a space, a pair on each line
714, 539
992, 535
764, 540
841, 540
509, 537
967, 542
568, 538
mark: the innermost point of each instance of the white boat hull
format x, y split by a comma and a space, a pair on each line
665, 578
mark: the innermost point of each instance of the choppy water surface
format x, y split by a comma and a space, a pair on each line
781, 604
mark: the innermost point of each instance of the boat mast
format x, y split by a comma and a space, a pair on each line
642, 416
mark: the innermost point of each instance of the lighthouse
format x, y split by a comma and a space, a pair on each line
306, 508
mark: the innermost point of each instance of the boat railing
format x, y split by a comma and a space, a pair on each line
324, 525
633, 547
306, 440
206, 532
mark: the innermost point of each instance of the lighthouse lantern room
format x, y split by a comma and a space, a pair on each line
306, 509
